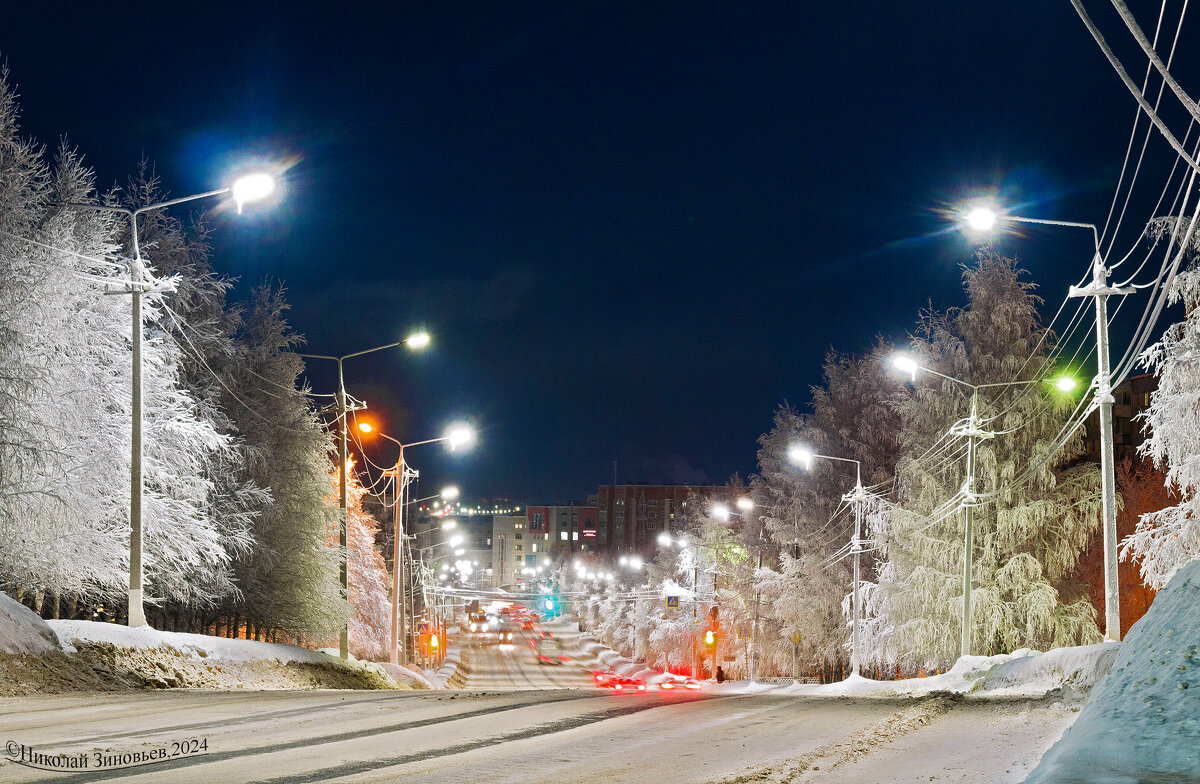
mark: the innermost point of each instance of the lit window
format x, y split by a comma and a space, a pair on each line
562, 535
575, 536
534, 550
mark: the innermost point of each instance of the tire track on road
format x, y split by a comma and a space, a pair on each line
187, 762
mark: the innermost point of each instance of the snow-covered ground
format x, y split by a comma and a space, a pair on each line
38, 656
1142, 722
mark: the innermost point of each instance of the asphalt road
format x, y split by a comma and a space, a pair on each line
527, 725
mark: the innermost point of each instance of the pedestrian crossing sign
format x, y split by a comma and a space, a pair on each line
672, 602
423, 627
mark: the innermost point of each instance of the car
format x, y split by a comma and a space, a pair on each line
550, 651
603, 679
506, 635
477, 622
673, 682
622, 684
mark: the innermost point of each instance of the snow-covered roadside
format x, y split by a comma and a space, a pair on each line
1143, 718
1066, 672
40, 657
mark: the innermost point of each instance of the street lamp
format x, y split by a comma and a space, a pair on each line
858, 496
415, 341
972, 431
246, 189
1101, 290
403, 475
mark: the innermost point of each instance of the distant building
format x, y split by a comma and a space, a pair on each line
1131, 399
630, 517
508, 550
562, 530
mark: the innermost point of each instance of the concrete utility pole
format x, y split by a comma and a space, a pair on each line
971, 431
1100, 289
251, 187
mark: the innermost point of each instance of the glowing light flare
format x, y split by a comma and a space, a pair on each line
366, 427
418, 340
981, 219
720, 511
801, 455
1065, 384
251, 188
906, 364
450, 492
459, 435
745, 504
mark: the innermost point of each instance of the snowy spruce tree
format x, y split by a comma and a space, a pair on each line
1028, 538
288, 579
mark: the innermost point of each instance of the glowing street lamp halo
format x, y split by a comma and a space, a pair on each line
418, 339
366, 427
745, 504
1065, 384
800, 455
906, 364
720, 511
252, 187
449, 492
664, 539
981, 218
459, 435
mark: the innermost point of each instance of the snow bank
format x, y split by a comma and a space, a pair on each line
200, 646
1142, 720
1022, 673
22, 631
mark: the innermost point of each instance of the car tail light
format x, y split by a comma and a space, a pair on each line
666, 685
693, 685
618, 687
641, 687
564, 658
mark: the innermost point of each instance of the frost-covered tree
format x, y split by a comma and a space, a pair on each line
802, 511
288, 579
370, 603
1028, 538
64, 404
1168, 539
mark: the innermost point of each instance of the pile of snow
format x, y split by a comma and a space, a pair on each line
196, 646
22, 631
1143, 718
1022, 673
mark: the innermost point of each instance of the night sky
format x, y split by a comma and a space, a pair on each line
633, 229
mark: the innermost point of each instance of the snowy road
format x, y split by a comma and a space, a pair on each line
524, 736
519, 721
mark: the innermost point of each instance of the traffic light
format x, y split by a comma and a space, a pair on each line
433, 642
710, 638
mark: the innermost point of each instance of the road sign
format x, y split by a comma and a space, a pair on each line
672, 602
423, 627
796, 638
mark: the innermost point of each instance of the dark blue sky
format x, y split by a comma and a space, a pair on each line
633, 228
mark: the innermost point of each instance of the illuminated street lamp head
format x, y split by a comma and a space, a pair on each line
635, 562
449, 524
801, 456
450, 492
981, 219
455, 541
252, 187
664, 539
418, 340
366, 427
1065, 384
459, 551
459, 435
745, 504
720, 511
906, 364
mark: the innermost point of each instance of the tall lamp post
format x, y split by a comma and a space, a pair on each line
972, 431
858, 496
983, 219
250, 188
418, 340
455, 437
723, 512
